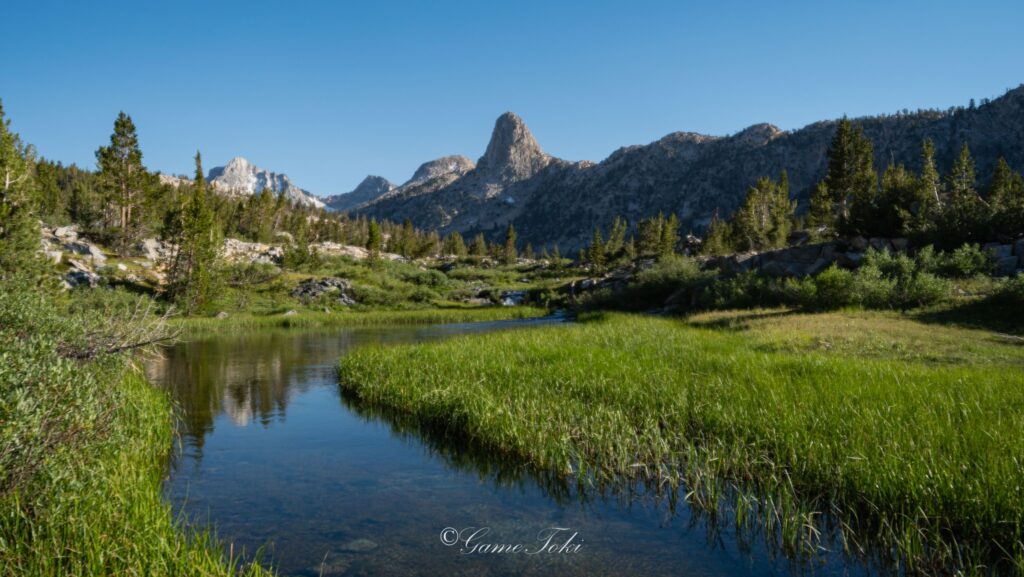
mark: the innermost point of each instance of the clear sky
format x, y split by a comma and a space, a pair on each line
329, 92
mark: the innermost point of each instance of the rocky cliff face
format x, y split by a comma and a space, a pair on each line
240, 176
370, 189
550, 200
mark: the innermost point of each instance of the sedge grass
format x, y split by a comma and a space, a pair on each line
918, 463
311, 319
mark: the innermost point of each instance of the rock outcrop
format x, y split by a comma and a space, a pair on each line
339, 289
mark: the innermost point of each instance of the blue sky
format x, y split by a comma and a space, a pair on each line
331, 91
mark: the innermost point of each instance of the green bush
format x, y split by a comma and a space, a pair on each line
967, 261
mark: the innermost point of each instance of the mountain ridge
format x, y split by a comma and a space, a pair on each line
550, 200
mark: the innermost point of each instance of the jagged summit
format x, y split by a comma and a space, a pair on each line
513, 153
239, 176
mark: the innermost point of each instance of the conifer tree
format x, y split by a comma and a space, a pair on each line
123, 181
669, 237
508, 255
192, 278
19, 228
719, 238
479, 248
374, 242
596, 254
765, 218
963, 215
454, 245
928, 194
528, 252
1006, 201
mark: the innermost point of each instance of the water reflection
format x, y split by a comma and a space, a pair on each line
276, 455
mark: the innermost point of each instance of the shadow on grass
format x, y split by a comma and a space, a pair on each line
981, 314
740, 321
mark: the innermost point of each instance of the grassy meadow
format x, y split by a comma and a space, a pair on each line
910, 437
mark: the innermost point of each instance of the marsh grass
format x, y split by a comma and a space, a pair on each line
309, 319
83, 449
913, 463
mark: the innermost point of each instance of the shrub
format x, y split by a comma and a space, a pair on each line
967, 261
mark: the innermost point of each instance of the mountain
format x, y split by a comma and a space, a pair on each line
550, 200
240, 176
371, 188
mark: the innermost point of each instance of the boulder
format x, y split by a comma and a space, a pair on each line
1018, 247
291, 313
849, 259
66, 232
880, 244
513, 298
859, 243
999, 251
1006, 266
798, 238
900, 244
221, 315
82, 278
310, 289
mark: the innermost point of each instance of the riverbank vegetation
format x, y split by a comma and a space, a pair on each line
84, 441
905, 439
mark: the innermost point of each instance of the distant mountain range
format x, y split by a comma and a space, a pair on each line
550, 200
239, 176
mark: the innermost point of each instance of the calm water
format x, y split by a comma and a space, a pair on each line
274, 455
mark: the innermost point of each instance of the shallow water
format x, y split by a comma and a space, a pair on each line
274, 455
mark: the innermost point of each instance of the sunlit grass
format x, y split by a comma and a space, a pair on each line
308, 318
919, 458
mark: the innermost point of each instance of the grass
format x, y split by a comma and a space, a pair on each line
915, 459
308, 318
83, 452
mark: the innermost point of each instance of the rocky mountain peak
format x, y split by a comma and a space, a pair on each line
373, 184
371, 188
512, 154
455, 165
239, 176
758, 133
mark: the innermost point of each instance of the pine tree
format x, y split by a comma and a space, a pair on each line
650, 235
822, 213
479, 248
123, 181
669, 237
851, 179
596, 254
556, 258
719, 238
528, 252
765, 218
508, 255
1006, 201
616, 238
373, 242
19, 228
928, 194
963, 216
454, 245
192, 279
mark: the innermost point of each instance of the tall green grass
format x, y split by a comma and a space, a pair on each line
83, 451
307, 318
919, 465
